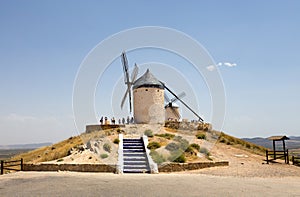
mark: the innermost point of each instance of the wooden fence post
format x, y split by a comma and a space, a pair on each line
21, 164
2, 163
267, 156
287, 156
293, 160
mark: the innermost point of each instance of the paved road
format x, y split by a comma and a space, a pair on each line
97, 184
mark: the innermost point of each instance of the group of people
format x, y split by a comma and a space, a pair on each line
113, 120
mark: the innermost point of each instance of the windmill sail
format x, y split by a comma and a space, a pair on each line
127, 80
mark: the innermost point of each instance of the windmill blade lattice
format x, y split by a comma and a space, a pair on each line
127, 80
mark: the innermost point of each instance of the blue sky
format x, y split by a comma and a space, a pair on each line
42, 44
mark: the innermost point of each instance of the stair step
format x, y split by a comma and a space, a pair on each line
136, 167
136, 171
135, 158
133, 147
135, 162
133, 151
133, 144
134, 154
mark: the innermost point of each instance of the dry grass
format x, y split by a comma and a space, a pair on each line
242, 144
49, 153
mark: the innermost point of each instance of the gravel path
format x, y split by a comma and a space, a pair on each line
102, 184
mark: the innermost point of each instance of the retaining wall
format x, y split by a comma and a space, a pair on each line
70, 167
170, 167
176, 167
92, 128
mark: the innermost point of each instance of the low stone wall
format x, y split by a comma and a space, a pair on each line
170, 167
92, 128
176, 167
70, 167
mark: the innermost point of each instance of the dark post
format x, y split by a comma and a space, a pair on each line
287, 156
293, 160
274, 149
267, 156
21, 164
2, 163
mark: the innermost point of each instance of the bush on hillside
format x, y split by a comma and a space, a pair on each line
148, 133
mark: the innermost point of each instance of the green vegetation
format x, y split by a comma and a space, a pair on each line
116, 141
148, 133
195, 146
177, 156
201, 136
166, 135
107, 147
180, 159
104, 155
59, 160
153, 145
157, 158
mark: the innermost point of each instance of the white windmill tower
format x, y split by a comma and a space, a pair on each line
148, 100
148, 97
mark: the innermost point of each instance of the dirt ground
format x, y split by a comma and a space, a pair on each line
103, 184
247, 175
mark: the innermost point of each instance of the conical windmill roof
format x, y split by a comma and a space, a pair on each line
147, 80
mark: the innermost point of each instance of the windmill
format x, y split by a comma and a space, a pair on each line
179, 99
128, 81
172, 111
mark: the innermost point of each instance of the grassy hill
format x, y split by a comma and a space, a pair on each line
242, 144
48, 153
62, 149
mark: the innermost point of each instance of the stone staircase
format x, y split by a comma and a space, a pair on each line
134, 156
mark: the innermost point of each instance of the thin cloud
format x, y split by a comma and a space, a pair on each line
211, 67
229, 64
226, 64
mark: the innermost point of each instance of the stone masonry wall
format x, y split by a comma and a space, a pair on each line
70, 167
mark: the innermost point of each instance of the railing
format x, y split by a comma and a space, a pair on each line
152, 164
296, 160
7, 165
277, 155
120, 165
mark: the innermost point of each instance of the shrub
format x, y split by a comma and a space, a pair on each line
189, 150
148, 133
201, 136
172, 147
223, 140
166, 135
107, 147
59, 160
177, 156
180, 159
153, 145
157, 158
116, 141
248, 146
195, 146
104, 155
